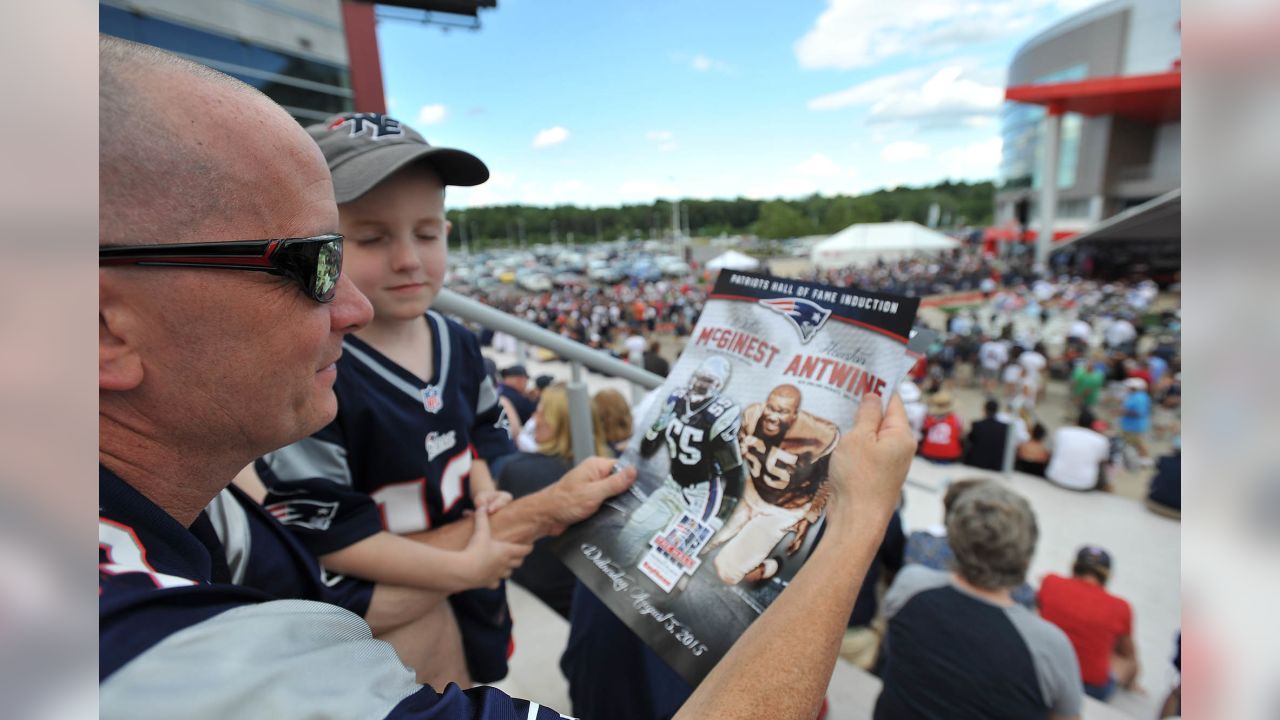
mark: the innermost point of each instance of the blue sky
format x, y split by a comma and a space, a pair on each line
599, 103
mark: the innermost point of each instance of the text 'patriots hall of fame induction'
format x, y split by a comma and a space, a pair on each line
732, 455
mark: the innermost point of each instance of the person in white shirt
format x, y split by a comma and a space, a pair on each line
1080, 331
1011, 377
635, 346
1009, 416
1119, 334
1033, 364
992, 356
1078, 455
912, 399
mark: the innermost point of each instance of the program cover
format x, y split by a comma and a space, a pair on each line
732, 460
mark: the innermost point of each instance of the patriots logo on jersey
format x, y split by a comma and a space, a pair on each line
310, 514
376, 124
806, 316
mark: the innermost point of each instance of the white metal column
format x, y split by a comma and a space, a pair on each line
1049, 186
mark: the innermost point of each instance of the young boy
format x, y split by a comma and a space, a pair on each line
418, 419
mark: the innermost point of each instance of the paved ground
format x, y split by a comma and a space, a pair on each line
1146, 549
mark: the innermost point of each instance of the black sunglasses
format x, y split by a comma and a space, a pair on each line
315, 263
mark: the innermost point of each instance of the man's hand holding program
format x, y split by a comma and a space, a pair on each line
869, 465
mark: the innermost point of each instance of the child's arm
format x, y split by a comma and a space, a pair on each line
485, 494
388, 558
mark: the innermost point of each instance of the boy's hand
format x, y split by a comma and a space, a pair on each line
491, 501
577, 495
487, 561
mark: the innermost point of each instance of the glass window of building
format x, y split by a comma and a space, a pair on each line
1022, 130
308, 88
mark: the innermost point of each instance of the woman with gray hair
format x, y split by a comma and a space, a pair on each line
958, 646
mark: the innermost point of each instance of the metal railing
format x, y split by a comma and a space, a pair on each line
576, 353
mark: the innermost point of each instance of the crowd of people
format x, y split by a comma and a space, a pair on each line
1114, 356
960, 270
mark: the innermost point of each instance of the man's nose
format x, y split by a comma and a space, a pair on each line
350, 309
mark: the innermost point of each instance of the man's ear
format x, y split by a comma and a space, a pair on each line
448, 228
119, 366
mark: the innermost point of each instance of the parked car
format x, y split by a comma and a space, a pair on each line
533, 281
569, 279
644, 270
672, 266
603, 271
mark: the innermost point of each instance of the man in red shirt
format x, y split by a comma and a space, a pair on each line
1099, 624
942, 431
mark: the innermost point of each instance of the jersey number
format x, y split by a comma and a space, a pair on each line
773, 467
404, 505
680, 442
121, 552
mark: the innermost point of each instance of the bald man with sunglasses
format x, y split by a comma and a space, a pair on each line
222, 310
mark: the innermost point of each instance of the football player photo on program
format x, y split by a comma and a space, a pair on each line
732, 455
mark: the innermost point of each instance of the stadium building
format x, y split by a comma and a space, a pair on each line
313, 57
1095, 103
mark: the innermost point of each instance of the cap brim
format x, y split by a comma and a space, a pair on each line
360, 174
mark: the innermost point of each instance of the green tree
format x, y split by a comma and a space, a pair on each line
781, 219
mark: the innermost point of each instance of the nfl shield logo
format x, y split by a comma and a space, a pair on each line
431, 399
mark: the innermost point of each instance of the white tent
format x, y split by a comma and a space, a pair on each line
733, 260
869, 241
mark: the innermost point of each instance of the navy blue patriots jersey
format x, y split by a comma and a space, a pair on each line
701, 437
398, 458
228, 618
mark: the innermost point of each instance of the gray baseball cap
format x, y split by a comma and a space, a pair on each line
363, 149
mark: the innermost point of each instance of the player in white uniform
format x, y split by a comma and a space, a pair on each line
786, 452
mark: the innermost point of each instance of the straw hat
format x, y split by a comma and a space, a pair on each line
940, 403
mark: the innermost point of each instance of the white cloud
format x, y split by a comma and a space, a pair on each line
904, 151
976, 161
860, 33
702, 63
392, 103
664, 139
952, 94
432, 114
550, 136
817, 166
817, 173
